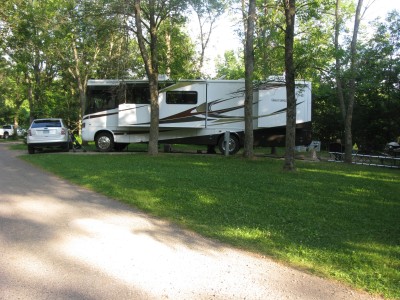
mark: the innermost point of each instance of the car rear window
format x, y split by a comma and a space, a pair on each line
46, 123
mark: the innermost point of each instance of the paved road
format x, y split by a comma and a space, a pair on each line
60, 241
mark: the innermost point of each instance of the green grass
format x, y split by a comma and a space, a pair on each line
339, 221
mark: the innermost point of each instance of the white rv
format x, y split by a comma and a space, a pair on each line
191, 112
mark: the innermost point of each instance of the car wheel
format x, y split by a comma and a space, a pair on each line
31, 150
234, 144
5, 135
104, 142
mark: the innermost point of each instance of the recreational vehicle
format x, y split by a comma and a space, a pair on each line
199, 112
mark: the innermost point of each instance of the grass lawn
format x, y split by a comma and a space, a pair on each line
339, 221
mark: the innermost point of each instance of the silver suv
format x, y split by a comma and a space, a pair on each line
45, 133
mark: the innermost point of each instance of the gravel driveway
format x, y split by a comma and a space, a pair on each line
60, 241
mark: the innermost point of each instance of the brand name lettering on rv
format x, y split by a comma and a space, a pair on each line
278, 100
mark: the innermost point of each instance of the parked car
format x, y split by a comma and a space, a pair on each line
47, 133
6, 131
393, 149
21, 132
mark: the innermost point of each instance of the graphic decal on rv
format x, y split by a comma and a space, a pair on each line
199, 114
281, 111
99, 115
137, 132
190, 113
135, 108
216, 117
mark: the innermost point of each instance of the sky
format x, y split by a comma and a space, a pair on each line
380, 8
224, 38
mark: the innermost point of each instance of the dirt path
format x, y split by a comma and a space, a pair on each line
60, 241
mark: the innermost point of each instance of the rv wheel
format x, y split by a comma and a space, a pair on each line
104, 142
234, 144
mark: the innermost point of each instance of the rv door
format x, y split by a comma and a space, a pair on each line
134, 108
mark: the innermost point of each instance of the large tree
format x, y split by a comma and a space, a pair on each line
12, 97
346, 100
54, 47
148, 18
92, 43
249, 70
290, 13
28, 44
375, 116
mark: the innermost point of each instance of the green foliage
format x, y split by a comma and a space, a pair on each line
231, 67
12, 103
182, 63
326, 120
375, 119
269, 41
378, 90
27, 44
340, 221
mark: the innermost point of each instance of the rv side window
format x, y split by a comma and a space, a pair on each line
181, 97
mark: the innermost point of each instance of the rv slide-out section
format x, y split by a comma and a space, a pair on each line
194, 112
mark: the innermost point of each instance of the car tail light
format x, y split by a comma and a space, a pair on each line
29, 132
63, 131
83, 125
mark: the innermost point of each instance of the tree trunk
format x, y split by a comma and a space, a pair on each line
352, 86
169, 48
347, 111
338, 77
151, 66
249, 69
32, 115
154, 115
290, 11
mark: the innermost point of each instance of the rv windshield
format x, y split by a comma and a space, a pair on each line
105, 97
101, 98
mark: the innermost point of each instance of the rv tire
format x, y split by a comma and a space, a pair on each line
234, 144
104, 142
